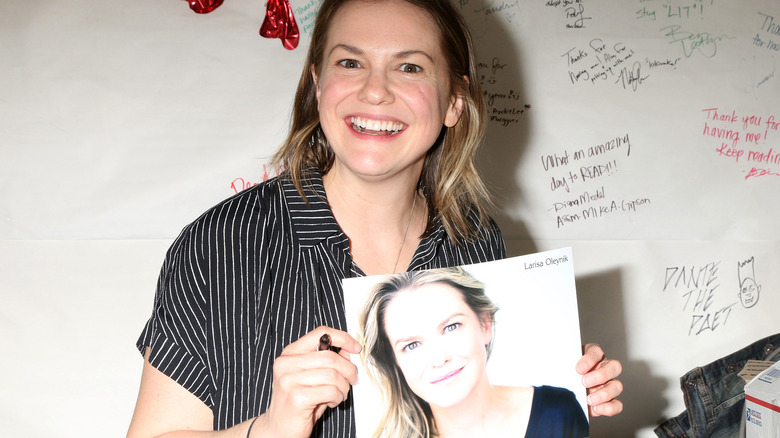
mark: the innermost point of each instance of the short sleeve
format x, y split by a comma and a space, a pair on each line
175, 333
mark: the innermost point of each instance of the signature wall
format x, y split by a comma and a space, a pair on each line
644, 134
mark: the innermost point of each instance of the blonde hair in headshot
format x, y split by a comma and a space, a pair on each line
407, 415
452, 185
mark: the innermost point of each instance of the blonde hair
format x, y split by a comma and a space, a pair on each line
453, 187
407, 415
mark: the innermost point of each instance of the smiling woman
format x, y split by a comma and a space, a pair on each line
378, 74
408, 64
426, 338
379, 177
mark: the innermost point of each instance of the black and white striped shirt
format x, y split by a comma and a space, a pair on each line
252, 275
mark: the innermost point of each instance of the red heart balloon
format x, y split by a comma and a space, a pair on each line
280, 23
204, 6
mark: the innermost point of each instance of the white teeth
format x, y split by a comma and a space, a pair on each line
360, 124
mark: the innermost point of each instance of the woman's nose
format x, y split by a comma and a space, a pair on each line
376, 90
439, 356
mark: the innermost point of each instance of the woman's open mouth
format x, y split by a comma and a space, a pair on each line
375, 127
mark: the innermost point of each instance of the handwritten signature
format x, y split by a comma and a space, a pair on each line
577, 15
631, 78
490, 7
754, 173
703, 42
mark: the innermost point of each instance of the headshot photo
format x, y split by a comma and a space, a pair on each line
458, 351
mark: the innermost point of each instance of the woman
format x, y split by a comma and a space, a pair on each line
427, 336
380, 178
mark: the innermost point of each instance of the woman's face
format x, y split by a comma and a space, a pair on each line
439, 343
383, 90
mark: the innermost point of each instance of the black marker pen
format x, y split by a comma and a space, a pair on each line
325, 344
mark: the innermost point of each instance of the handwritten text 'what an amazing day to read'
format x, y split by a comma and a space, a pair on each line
580, 177
749, 140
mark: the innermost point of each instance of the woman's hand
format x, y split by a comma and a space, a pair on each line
307, 381
599, 377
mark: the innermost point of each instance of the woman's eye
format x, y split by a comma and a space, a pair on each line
452, 327
349, 63
411, 346
411, 68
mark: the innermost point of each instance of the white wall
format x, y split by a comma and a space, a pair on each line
121, 121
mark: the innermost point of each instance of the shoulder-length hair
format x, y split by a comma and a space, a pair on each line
453, 187
407, 415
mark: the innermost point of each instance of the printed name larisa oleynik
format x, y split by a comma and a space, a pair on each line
547, 262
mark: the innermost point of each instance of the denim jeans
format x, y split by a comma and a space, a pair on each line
715, 395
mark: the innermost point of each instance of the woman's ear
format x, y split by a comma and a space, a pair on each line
486, 322
315, 79
455, 107
454, 110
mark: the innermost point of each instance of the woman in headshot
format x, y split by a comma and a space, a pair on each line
427, 336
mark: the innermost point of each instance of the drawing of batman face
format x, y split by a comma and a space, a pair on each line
748, 292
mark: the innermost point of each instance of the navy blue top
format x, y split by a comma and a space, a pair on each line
555, 413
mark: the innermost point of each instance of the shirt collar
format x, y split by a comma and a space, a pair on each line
312, 222
429, 247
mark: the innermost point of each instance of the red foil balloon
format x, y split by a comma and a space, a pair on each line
204, 6
280, 23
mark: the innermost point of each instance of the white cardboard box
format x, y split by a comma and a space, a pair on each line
762, 404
